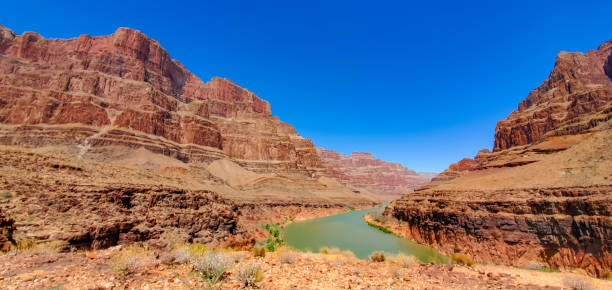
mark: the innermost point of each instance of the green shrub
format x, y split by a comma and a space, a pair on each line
212, 266
259, 251
274, 240
462, 259
378, 256
350, 208
383, 229
250, 275
324, 250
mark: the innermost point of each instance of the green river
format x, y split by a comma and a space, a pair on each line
349, 231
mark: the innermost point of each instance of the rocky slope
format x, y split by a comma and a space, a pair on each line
367, 173
545, 192
108, 140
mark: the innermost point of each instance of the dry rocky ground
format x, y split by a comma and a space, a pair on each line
137, 268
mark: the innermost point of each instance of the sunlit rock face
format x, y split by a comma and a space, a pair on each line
545, 192
575, 96
364, 171
124, 89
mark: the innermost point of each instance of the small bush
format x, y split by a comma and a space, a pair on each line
212, 265
462, 259
287, 258
197, 250
324, 250
25, 244
131, 260
181, 255
577, 283
350, 208
250, 275
274, 240
5, 194
378, 257
259, 251
406, 261
534, 265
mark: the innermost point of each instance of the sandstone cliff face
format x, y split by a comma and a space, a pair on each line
124, 89
544, 193
364, 171
575, 96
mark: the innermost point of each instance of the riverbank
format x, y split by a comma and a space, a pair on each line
174, 269
395, 227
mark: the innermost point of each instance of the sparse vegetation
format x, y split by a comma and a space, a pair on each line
259, 251
534, 265
181, 255
5, 194
287, 257
378, 256
212, 266
577, 283
250, 275
324, 250
132, 260
461, 259
274, 240
350, 208
405, 261
380, 228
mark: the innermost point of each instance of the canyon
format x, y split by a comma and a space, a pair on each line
544, 193
113, 127
366, 173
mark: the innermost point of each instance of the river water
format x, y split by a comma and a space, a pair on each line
349, 231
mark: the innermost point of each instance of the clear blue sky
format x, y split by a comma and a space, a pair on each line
421, 83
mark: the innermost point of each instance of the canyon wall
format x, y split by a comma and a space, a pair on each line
124, 89
544, 193
366, 172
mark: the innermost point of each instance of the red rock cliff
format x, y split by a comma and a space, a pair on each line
362, 170
579, 85
124, 89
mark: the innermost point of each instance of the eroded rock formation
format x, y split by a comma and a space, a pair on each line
545, 193
124, 89
364, 171
7, 227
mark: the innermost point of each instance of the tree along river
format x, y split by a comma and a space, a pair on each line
349, 231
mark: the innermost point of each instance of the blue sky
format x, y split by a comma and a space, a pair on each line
421, 83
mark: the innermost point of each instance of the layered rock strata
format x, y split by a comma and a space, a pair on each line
365, 172
544, 193
124, 89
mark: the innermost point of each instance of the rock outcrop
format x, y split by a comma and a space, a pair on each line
575, 97
544, 193
124, 89
7, 228
363, 171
